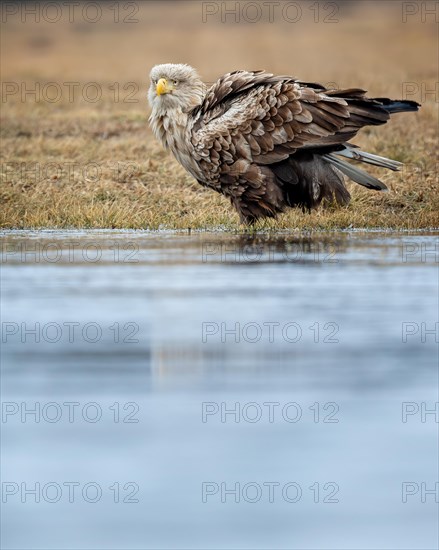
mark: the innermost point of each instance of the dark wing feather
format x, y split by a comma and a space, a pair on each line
231, 84
266, 141
280, 115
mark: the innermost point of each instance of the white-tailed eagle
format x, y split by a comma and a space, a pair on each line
267, 142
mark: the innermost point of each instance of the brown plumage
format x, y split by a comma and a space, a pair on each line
267, 142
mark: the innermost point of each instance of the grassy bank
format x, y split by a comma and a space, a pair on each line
73, 162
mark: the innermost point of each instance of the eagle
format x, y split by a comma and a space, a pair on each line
267, 142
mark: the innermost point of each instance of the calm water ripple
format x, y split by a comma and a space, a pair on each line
219, 391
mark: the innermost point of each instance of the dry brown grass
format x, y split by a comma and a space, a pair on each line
99, 165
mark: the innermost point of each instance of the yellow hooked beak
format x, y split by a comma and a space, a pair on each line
163, 87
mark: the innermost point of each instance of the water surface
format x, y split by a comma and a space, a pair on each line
237, 391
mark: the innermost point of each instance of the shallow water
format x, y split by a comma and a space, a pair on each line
219, 391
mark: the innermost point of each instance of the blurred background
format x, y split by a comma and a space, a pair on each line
74, 102
376, 45
163, 371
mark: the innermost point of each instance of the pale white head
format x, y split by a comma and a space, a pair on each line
175, 86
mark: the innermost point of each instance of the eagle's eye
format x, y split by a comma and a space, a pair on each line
175, 82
